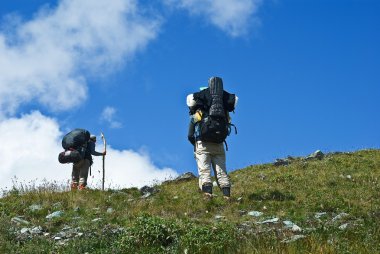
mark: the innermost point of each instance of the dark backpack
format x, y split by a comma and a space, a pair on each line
215, 103
75, 145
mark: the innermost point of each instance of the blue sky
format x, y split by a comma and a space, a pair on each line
306, 74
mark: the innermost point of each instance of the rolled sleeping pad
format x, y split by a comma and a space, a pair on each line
70, 156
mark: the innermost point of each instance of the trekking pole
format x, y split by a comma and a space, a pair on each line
104, 144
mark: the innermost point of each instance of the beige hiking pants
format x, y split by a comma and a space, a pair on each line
211, 154
80, 172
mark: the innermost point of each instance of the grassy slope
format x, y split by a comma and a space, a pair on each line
178, 218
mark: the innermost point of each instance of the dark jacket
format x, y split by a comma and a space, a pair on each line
91, 151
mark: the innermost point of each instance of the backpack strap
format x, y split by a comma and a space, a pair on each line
225, 143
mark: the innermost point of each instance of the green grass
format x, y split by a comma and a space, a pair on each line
177, 219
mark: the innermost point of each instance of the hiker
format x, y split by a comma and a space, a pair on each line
81, 168
209, 126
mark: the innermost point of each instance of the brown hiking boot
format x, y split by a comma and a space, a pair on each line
74, 186
82, 187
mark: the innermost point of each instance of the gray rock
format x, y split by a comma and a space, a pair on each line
185, 177
109, 210
293, 238
273, 220
219, 217
316, 155
319, 215
96, 219
76, 209
55, 214
146, 191
35, 207
25, 230
175, 197
57, 238
36, 230
343, 226
146, 195
281, 162
255, 213
19, 220
292, 226
339, 217
240, 199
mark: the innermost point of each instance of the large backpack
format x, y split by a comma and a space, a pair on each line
75, 145
214, 103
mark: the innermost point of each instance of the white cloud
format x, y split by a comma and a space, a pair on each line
108, 115
30, 147
231, 16
51, 57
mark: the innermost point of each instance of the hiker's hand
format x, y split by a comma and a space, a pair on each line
104, 153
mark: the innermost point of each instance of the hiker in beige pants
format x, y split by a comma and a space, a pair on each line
209, 155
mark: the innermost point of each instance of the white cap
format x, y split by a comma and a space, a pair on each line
190, 100
92, 137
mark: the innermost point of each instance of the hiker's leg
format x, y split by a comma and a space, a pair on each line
203, 160
75, 174
218, 159
83, 174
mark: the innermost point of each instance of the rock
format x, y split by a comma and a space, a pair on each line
146, 195
24, 230
316, 155
109, 210
96, 219
319, 215
240, 199
339, 217
35, 207
292, 226
293, 238
55, 214
175, 197
281, 162
46, 234
76, 209
57, 238
255, 213
18, 220
343, 226
185, 177
219, 217
273, 220
36, 230
349, 177
146, 191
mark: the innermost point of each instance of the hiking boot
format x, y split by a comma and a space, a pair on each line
226, 192
82, 187
74, 186
207, 188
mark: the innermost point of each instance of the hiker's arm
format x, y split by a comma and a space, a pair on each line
93, 152
190, 135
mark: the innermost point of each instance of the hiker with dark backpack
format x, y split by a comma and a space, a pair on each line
79, 147
208, 129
